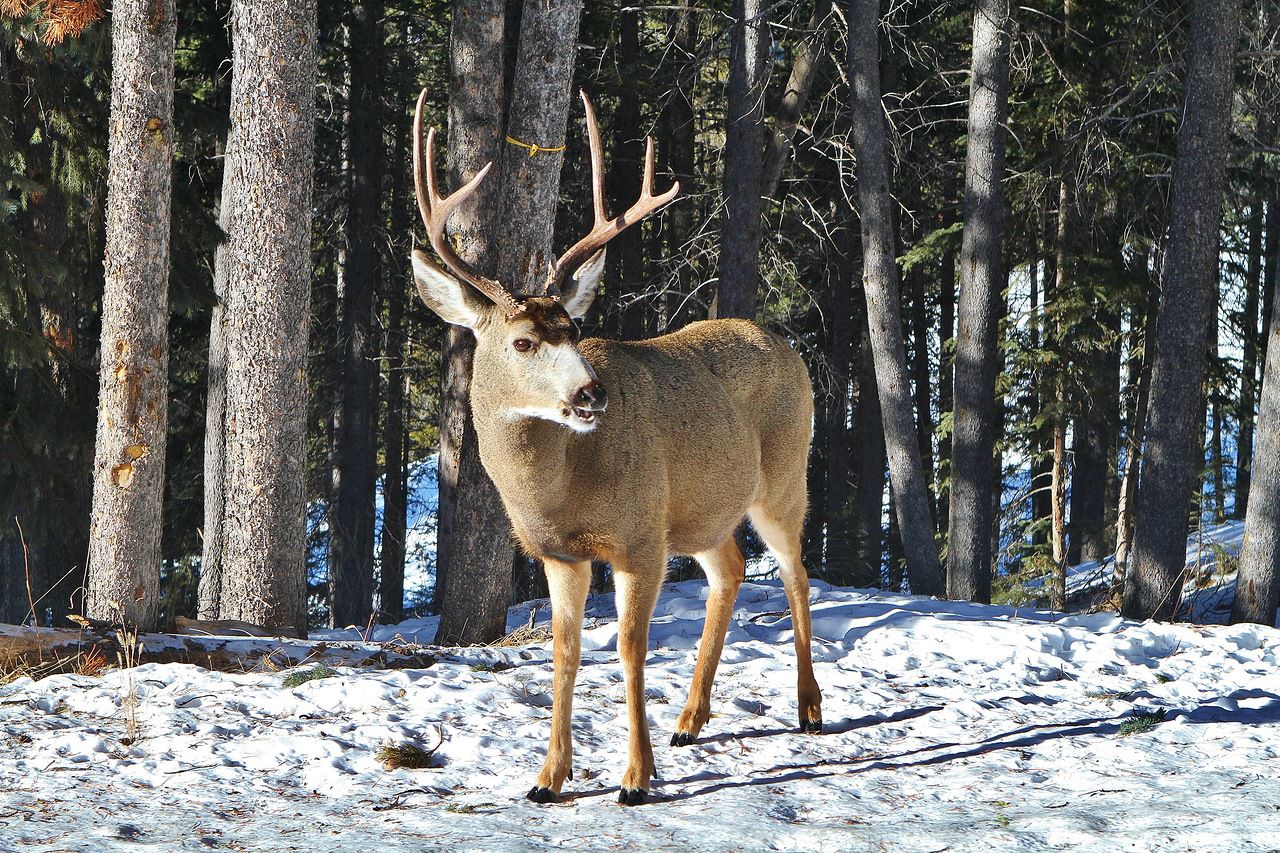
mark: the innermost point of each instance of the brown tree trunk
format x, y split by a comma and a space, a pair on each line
625, 257
351, 506
266, 312
869, 464
1258, 580
1170, 468
133, 399
804, 68
1249, 364
982, 280
679, 120
477, 109
391, 558
1058, 412
880, 282
473, 605
741, 226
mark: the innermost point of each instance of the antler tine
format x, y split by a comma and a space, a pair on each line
436, 210
597, 161
606, 229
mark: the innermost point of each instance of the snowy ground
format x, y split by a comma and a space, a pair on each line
950, 726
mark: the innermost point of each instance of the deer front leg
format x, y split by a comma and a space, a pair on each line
725, 569
568, 583
636, 589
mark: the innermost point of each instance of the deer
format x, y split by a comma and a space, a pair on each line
626, 452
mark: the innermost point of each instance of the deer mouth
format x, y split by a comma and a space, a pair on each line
579, 418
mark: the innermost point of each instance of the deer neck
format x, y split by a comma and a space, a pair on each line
528, 458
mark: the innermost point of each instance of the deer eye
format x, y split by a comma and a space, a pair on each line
522, 344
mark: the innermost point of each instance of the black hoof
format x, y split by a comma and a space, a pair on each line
812, 727
542, 795
682, 739
632, 797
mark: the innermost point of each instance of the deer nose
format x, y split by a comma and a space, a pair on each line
591, 396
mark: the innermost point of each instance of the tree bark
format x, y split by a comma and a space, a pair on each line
351, 508
1058, 409
473, 605
839, 447
398, 276
625, 257
1249, 366
804, 69
741, 226
982, 279
679, 120
1258, 580
128, 468
477, 110
267, 311
868, 438
880, 282
1171, 466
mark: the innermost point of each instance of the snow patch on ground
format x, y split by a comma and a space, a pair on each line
948, 726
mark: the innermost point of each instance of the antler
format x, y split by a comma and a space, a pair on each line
605, 228
436, 210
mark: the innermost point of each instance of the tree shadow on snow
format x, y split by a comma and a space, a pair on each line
1212, 711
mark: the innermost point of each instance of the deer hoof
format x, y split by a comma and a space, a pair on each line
812, 727
682, 739
632, 796
542, 795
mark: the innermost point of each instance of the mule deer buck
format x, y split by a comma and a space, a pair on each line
627, 452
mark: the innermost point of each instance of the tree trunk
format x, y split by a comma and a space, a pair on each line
946, 362
1058, 411
839, 448
1258, 580
741, 226
267, 311
477, 110
880, 281
868, 438
920, 373
128, 468
625, 257
679, 120
1139, 397
804, 68
1171, 466
1249, 366
473, 606
351, 508
982, 280
397, 276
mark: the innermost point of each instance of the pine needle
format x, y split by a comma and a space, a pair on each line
409, 755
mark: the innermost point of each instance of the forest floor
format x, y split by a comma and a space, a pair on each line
949, 726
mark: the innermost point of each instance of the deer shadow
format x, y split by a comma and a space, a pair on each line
1208, 712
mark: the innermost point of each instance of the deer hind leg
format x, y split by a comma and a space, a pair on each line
568, 583
636, 586
725, 568
781, 531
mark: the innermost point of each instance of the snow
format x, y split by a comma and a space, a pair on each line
1210, 580
948, 726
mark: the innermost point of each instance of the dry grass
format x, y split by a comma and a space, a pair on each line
524, 635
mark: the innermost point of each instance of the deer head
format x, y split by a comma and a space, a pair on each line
526, 346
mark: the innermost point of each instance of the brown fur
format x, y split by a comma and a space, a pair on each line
704, 427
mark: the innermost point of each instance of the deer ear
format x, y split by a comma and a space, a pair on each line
455, 301
580, 290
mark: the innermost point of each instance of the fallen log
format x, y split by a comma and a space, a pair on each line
45, 651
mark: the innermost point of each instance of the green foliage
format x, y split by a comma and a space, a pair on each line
299, 677
1141, 723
